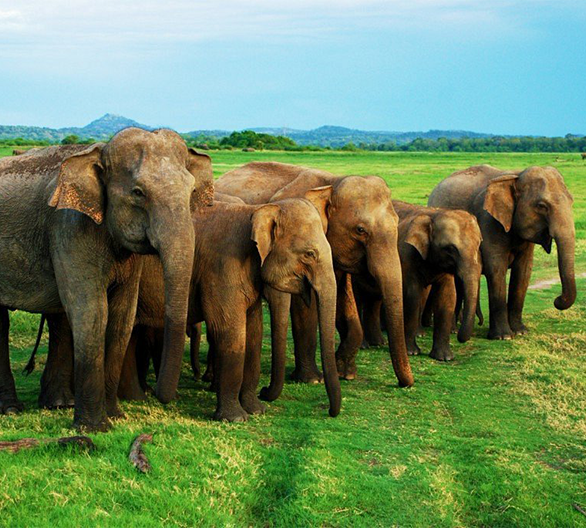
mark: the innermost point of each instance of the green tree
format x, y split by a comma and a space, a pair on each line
72, 139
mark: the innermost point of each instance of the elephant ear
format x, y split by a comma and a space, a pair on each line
79, 185
200, 165
419, 235
500, 198
321, 198
264, 225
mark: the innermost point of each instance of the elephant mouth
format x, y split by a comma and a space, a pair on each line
142, 247
545, 241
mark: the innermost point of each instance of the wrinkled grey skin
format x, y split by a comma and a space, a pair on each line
73, 221
515, 210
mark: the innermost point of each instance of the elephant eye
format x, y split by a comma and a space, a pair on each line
137, 191
310, 253
360, 230
542, 206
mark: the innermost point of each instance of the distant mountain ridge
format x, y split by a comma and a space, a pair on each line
328, 135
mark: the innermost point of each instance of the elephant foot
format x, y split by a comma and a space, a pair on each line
413, 349
251, 404
442, 353
346, 369
311, 376
364, 345
132, 393
519, 329
84, 425
498, 334
374, 340
59, 399
208, 375
232, 413
420, 331
11, 406
114, 411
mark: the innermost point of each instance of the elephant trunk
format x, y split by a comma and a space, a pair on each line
325, 289
470, 281
565, 246
384, 265
176, 254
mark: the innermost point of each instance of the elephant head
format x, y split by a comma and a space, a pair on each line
142, 186
536, 206
296, 258
449, 240
363, 235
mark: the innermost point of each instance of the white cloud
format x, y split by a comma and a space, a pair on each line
111, 21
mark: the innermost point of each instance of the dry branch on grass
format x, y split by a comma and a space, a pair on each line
15, 446
137, 455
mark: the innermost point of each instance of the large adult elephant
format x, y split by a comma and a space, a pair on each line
362, 232
72, 221
515, 211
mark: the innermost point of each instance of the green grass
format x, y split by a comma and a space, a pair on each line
495, 438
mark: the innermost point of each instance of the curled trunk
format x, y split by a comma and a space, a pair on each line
565, 246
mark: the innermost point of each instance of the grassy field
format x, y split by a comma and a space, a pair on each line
495, 438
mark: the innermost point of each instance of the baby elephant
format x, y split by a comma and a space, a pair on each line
242, 248
436, 247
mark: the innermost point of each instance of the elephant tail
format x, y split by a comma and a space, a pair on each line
30, 366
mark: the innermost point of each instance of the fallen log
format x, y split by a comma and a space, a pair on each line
137, 455
14, 446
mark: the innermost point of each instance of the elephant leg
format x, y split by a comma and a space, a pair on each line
279, 306
349, 328
230, 343
129, 387
9, 402
443, 310
496, 278
57, 378
248, 398
426, 311
304, 328
413, 294
122, 303
194, 345
211, 363
373, 335
520, 275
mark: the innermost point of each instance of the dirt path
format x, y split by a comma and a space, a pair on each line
543, 284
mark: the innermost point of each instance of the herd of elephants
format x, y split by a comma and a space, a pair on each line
126, 247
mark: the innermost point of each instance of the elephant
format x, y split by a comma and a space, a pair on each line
436, 246
240, 250
515, 211
362, 232
74, 222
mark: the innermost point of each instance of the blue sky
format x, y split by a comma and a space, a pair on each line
500, 66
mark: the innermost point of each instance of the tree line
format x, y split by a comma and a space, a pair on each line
248, 139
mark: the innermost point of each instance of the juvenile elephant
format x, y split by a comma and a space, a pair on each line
240, 250
73, 220
362, 232
436, 246
515, 211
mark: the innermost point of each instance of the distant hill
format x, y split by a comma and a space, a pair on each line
334, 136
100, 129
